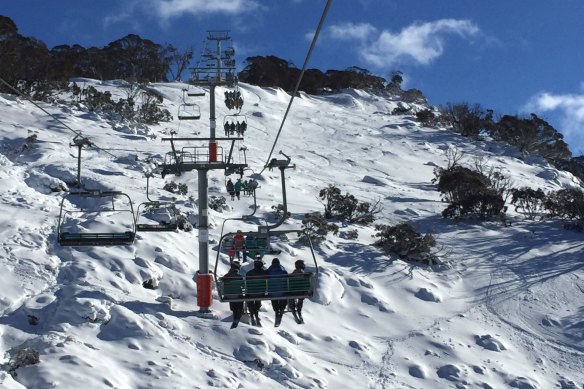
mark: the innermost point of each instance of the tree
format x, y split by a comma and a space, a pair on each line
532, 135
468, 120
179, 62
135, 59
394, 86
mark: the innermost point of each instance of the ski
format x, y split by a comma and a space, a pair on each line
301, 318
297, 317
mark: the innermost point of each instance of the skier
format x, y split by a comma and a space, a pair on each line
255, 305
231, 189
239, 245
295, 305
235, 306
275, 290
253, 185
238, 185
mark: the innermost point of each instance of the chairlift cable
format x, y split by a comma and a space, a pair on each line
77, 133
312, 44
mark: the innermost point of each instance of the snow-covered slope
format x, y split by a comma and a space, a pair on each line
505, 311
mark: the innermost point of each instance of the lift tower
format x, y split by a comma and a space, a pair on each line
216, 67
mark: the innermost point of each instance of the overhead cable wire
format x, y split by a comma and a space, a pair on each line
77, 133
312, 44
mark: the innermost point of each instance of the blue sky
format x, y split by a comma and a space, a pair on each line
515, 56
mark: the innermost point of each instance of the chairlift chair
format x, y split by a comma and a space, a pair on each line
156, 216
71, 232
290, 286
235, 124
189, 111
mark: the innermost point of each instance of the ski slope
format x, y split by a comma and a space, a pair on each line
505, 309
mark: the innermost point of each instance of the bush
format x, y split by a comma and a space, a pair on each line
426, 117
471, 193
316, 227
279, 210
22, 357
458, 182
217, 203
566, 203
350, 235
173, 187
529, 201
401, 110
468, 120
404, 241
347, 208
484, 204
183, 223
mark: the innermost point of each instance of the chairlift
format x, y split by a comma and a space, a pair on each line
235, 124
155, 215
258, 244
233, 98
189, 111
90, 219
193, 93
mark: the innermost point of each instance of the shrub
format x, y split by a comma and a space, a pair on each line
471, 193
458, 182
279, 210
483, 204
426, 117
404, 241
316, 226
22, 357
349, 235
183, 222
566, 203
401, 110
217, 203
529, 201
347, 208
173, 187
468, 120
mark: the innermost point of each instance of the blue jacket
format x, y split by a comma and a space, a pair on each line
275, 288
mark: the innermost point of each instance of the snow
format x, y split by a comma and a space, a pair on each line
503, 310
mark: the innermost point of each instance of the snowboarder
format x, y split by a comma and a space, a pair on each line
275, 290
235, 306
255, 305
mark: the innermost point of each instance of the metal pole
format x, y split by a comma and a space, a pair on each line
204, 279
213, 124
79, 166
203, 223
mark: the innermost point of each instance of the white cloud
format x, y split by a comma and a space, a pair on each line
169, 9
172, 8
420, 43
344, 31
571, 113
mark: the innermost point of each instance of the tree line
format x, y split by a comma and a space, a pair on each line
27, 60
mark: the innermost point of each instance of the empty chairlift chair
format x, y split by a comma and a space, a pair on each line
86, 218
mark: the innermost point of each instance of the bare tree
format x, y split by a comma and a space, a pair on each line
179, 61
